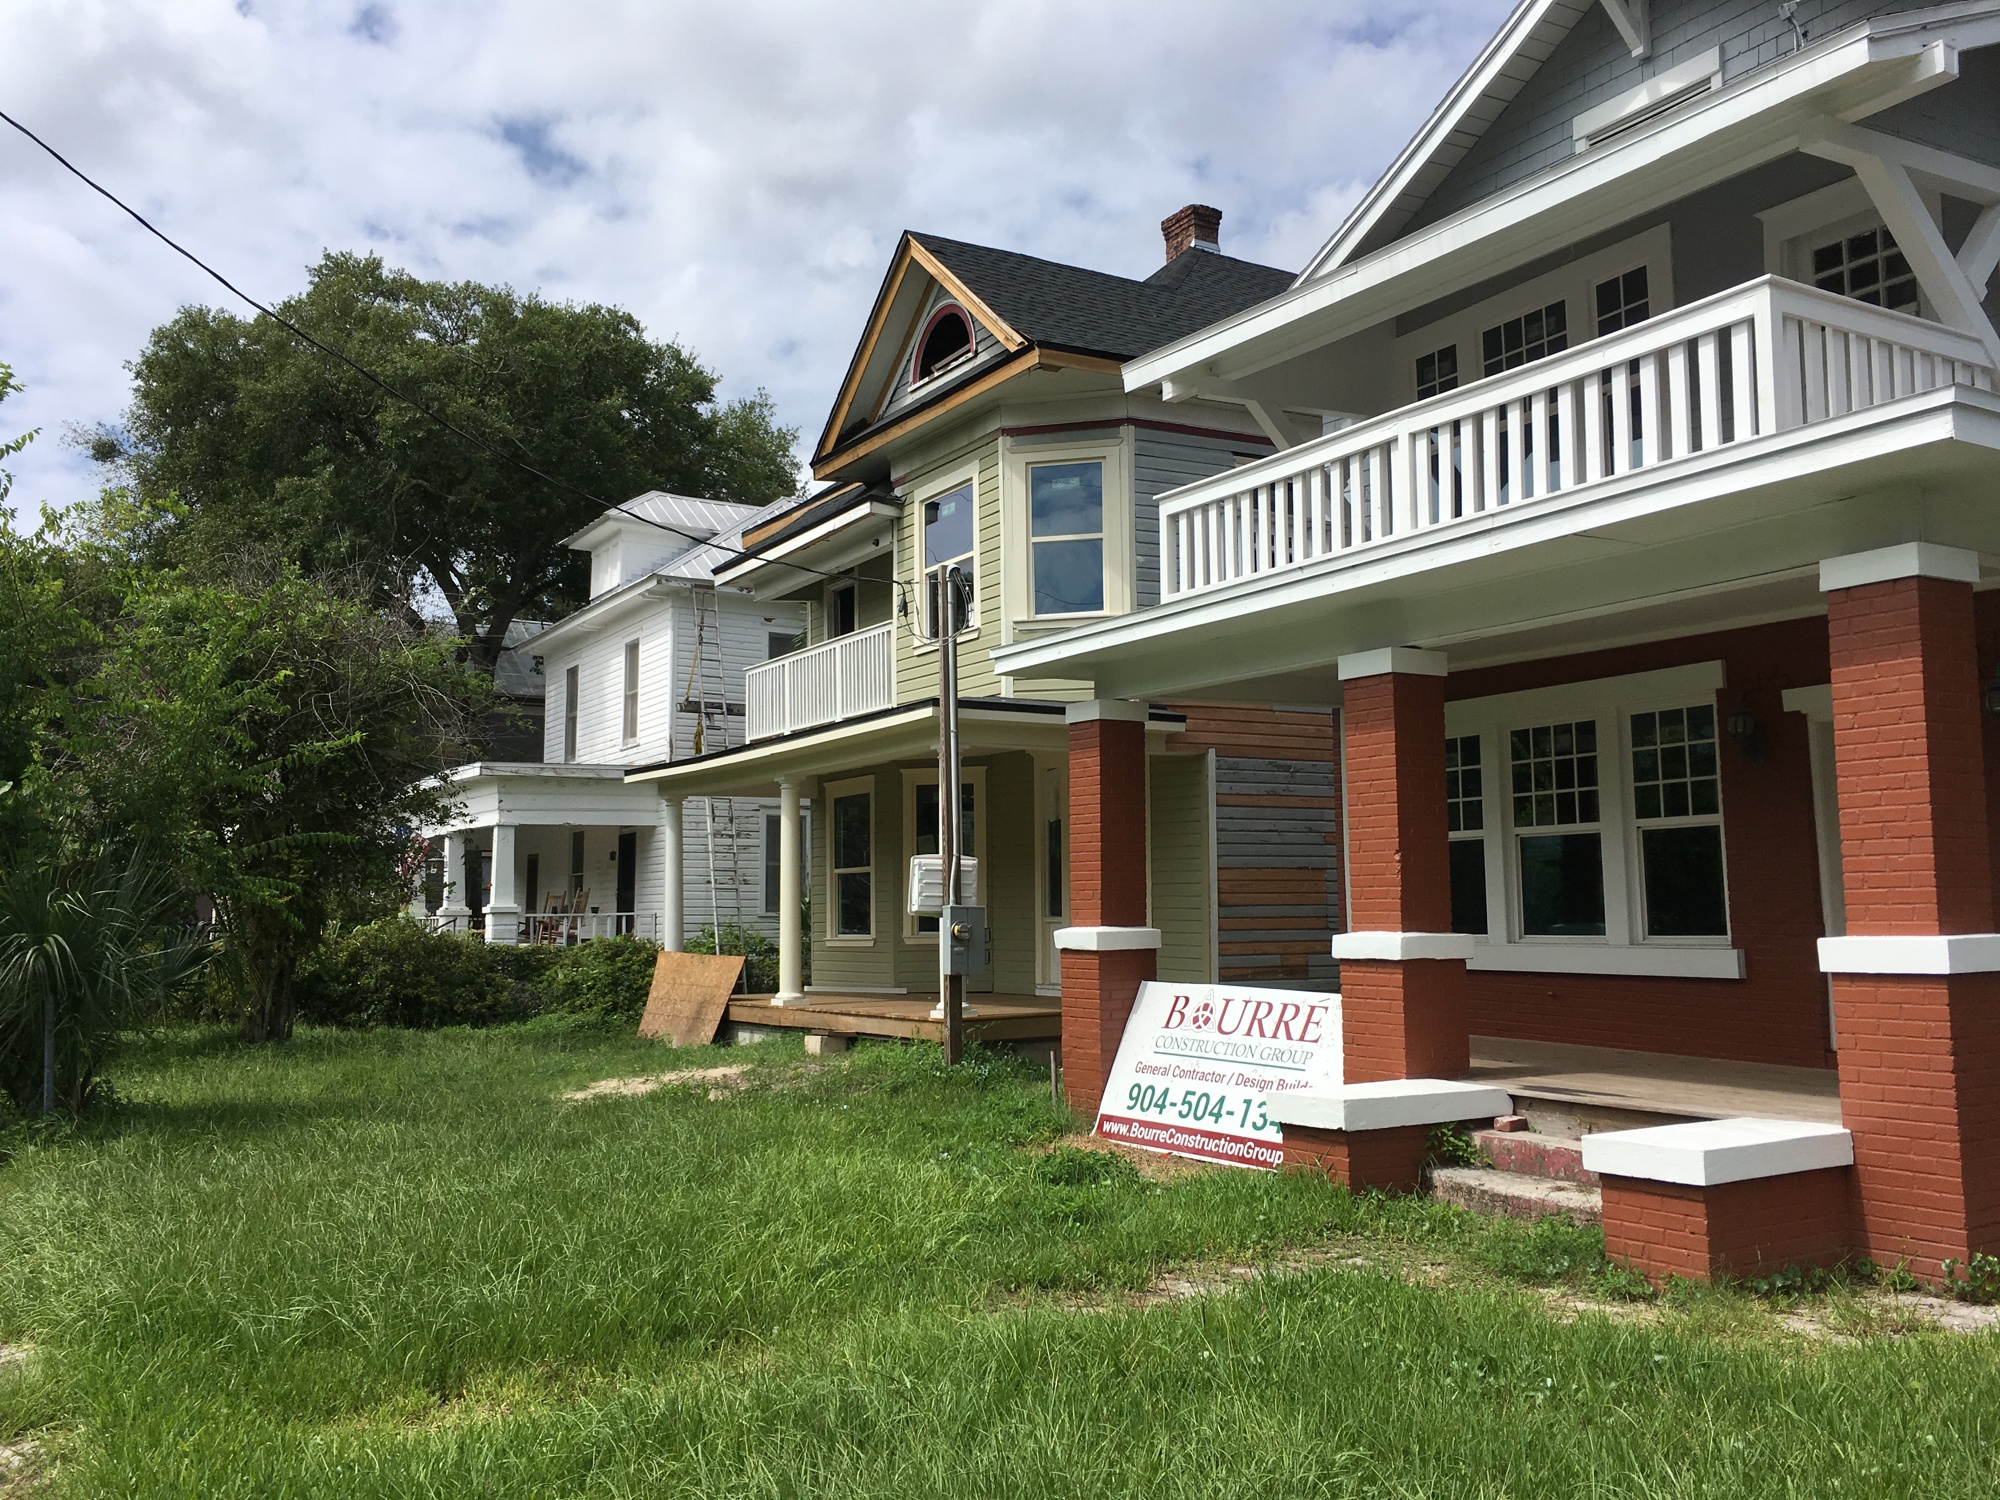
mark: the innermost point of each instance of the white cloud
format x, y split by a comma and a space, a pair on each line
735, 175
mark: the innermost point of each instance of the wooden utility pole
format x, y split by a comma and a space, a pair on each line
951, 985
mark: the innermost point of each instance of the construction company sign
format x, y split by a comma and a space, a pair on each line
1198, 1061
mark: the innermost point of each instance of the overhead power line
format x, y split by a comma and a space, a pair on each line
483, 444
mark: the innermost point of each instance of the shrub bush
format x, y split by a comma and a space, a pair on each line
608, 978
760, 955
397, 973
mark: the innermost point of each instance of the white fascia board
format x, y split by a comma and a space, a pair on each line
767, 760
1388, 1104
1754, 119
1688, 681
1953, 413
1106, 939
1633, 961
1708, 1153
605, 610
1911, 953
1399, 947
860, 516
1116, 710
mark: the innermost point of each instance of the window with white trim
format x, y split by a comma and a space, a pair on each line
1465, 820
920, 827
1622, 301
774, 828
569, 714
946, 343
1523, 340
851, 859
1437, 372
1066, 536
1602, 841
629, 722
949, 537
1868, 267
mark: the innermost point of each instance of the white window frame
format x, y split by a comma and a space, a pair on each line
833, 592
1624, 949
833, 791
773, 838
933, 488
912, 779
628, 722
572, 729
1116, 453
1794, 229
1574, 284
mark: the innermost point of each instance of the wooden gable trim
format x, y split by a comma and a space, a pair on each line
850, 384
1020, 364
970, 301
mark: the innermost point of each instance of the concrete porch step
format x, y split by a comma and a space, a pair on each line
1533, 1154
1487, 1190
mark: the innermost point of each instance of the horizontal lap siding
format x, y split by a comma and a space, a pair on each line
1179, 814
1277, 836
1162, 461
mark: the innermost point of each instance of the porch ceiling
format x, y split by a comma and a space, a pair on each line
1720, 542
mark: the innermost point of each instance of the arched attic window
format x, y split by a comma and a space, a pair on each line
946, 342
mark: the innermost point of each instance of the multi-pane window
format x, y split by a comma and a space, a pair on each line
853, 864
927, 832
773, 842
1622, 301
1525, 339
1867, 267
948, 543
569, 714
1465, 815
1559, 842
1677, 803
629, 723
1066, 533
1437, 372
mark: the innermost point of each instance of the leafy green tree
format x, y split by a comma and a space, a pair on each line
283, 737
267, 443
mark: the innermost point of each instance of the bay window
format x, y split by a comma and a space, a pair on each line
1066, 536
949, 539
851, 859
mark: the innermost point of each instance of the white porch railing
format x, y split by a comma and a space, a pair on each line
560, 928
849, 675
1762, 358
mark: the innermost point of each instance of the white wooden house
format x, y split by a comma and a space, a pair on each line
651, 669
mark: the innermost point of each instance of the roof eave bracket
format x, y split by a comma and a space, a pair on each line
1634, 21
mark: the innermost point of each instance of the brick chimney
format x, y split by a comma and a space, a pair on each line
1196, 227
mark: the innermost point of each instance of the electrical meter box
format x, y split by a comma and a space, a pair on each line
968, 946
927, 882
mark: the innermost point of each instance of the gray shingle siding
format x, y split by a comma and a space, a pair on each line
1592, 65
1163, 461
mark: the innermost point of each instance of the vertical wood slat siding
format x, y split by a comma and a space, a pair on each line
1179, 876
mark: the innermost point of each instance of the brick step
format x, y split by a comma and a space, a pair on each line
1488, 1191
1529, 1154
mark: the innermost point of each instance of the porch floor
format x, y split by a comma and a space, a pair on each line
1596, 1086
993, 1018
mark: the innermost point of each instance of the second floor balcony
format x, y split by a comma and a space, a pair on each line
1737, 368
837, 679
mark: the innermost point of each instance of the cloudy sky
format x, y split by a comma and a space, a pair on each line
736, 174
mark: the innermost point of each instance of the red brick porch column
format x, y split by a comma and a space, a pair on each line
1107, 951
1915, 988
1402, 969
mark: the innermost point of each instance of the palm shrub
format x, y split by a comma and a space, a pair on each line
90, 944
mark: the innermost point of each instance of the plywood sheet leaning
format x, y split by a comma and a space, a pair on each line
689, 994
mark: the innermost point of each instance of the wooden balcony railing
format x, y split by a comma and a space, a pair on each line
1759, 359
849, 675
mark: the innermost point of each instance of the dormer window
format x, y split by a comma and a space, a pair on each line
946, 344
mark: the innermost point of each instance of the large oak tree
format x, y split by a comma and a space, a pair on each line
258, 440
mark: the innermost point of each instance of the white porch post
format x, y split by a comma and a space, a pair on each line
672, 908
503, 912
791, 955
453, 910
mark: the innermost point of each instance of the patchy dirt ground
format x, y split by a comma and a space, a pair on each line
1152, 1165
722, 1081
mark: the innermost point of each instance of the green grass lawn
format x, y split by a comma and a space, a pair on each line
399, 1264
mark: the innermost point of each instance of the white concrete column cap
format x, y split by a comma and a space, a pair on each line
1911, 953
1393, 947
1106, 939
1118, 710
1408, 660
1904, 560
1708, 1153
1388, 1104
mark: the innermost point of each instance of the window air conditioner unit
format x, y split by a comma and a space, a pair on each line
927, 883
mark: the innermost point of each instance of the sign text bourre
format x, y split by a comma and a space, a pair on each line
1198, 1061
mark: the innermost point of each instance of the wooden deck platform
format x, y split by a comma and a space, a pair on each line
1601, 1083
993, 1018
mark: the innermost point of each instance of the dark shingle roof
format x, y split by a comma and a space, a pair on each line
1093, 312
